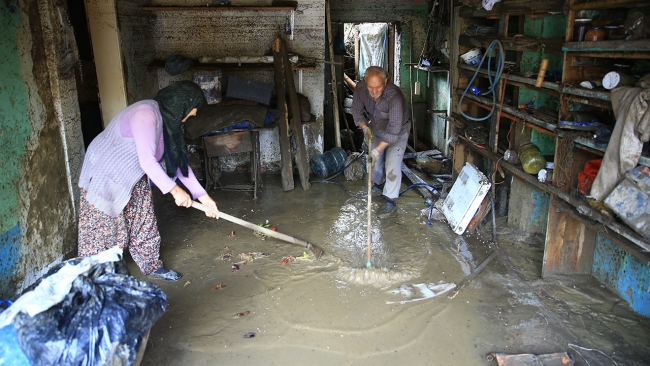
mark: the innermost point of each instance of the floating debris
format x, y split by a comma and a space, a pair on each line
231, 234
239, 315
235, 267
186, 283
218, 286
287, 259
251, 256
249, 335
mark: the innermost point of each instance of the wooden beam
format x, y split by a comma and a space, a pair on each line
424, 192
607, 4
636, 45
283, 119
296, 125
218, 8
514, 7
530, 44
335, 96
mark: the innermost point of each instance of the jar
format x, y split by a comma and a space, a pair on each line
580, 28
614, 32
615, 79
595, 34
531, 158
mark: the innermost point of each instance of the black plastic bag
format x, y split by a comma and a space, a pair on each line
101, 321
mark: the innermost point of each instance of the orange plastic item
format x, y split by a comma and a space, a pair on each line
587, 175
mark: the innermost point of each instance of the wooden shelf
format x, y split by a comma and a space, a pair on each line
545, 123
219, 8
589, 143
599, 97
585, 211
157, 65
515, 7
608, 4
529, 44
637, 45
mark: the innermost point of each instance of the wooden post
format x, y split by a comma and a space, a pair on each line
335, 85
415, 131
296, 123
283, 119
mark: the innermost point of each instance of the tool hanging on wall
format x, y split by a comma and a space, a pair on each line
416, 90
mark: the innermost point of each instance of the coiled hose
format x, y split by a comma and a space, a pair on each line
493, 82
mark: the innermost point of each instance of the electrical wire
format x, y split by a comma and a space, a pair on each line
493, 83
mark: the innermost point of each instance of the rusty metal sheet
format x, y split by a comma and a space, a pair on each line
527, 359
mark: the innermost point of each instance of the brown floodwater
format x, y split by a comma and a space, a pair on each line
336, 312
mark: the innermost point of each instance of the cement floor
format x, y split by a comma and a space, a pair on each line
333, 312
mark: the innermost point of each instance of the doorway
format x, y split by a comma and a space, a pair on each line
356, 47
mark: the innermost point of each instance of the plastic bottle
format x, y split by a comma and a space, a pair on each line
531, 158
329, 162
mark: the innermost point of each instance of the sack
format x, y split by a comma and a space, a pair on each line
101, 321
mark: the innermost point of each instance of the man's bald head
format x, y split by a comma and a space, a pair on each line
376, 71
376, 80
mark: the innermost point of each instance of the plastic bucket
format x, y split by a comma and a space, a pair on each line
472, 57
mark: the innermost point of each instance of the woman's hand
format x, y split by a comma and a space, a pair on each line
208, 201
181, 197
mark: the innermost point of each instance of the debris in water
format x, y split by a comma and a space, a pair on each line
527, 359
272, 228
427, 290
305, 257
287, 259
231, 234
249, 335
251, 256
218, 286
239, 315
186, 283
265, 225
235, 267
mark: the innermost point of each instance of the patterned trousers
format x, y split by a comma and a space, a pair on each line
135, 228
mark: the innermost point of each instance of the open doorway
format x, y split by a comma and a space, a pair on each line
358, 46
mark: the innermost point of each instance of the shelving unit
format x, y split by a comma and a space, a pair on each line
220, 8
158, 64
572, 224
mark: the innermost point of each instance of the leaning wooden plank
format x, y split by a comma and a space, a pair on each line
296, 123
283, 119
424, 192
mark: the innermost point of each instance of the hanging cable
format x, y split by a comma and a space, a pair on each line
493, 83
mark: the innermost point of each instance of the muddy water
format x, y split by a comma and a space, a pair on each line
335, 312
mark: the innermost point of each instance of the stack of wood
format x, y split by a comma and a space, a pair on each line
286, 91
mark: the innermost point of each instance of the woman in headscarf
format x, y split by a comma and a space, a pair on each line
116, 203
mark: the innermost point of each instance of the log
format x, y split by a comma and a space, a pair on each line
296, 123
424, 192
283, 119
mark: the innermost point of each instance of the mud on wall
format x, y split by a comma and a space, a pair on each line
238, 33
138, 49
37, 212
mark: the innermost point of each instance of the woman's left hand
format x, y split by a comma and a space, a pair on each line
208, 201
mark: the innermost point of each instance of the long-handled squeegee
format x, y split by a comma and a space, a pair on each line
318, 252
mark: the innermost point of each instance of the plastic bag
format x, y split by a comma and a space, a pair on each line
100, 321
587, 175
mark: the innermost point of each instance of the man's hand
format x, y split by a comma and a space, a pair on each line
208, 201
367, 134
373, 156
181, 197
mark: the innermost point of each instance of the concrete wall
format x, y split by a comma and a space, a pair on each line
138, 49
623, 273
236, 33
42, 148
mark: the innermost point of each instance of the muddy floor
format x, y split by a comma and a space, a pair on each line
282, 307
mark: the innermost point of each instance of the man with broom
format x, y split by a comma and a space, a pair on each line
379, 108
